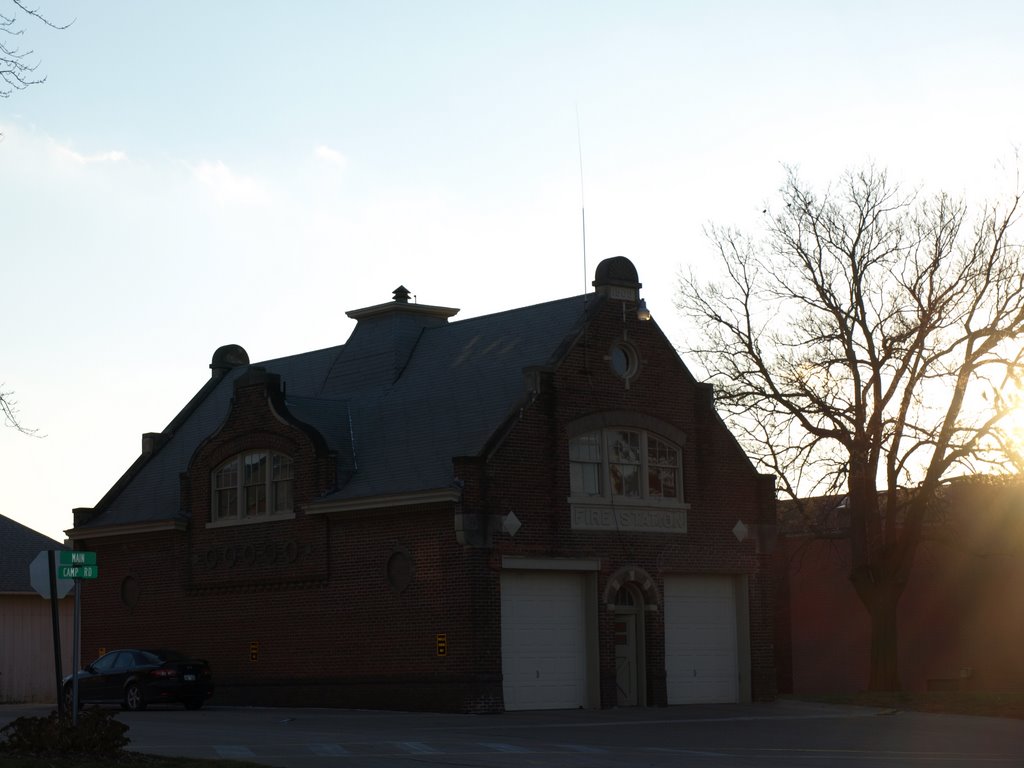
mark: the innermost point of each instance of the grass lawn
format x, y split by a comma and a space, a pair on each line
946, 702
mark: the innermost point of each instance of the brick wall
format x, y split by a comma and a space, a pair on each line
961, 624
347, 609
719, 484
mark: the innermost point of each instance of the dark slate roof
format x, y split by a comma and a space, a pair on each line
19, 546
462, 382
150, 491
396, 403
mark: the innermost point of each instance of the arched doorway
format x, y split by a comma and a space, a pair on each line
630, 673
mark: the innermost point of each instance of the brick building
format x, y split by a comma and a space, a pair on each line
533, 509
961, 625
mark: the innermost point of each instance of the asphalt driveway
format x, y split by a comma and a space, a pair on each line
776, 735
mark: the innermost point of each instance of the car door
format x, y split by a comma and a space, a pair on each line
92, 685
113, 685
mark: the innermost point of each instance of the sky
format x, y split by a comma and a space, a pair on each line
193, 174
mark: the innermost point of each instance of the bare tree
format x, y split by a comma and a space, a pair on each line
9, 410
17, 64
867, 346
18, 72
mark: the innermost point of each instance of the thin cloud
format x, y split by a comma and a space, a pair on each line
228, 187
65, 152
332, 156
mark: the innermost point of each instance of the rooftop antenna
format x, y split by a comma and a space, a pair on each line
583, 220
583, 208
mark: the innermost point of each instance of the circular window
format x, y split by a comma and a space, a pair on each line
399, 570
129, 592
624, 360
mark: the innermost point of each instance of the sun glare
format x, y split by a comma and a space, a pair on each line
1009, 431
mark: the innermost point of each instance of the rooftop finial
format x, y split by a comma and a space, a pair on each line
401, 294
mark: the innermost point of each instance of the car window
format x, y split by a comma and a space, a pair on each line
125, 660
106, 663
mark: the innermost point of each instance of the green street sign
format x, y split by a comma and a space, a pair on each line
72, 557
77, 571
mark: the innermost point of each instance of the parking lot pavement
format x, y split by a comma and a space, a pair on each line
9, 712
745, 736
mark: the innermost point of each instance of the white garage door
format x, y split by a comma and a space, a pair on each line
543, 640
701, 641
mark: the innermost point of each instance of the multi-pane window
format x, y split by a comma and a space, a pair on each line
662, 468
280, 482
585, 465
253, 485
624, 464
225, 491
254, 481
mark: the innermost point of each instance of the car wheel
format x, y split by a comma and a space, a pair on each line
133, 700
193, 703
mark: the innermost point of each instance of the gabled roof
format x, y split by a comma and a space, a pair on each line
19, 546
406, 394
150, 490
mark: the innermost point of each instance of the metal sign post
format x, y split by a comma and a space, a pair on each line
74, 652
53, 574
56, 632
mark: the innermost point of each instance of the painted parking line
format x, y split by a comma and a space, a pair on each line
233, 751
510, 748
416, 748
329, 750
887, 756
897, 756
583, 748
691, 752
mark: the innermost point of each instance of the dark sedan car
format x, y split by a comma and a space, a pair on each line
135, 678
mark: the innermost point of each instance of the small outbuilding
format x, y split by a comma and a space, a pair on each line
28, 672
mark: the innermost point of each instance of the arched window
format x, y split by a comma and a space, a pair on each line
624, 464
252, 485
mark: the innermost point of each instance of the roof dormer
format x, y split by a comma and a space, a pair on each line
386, 334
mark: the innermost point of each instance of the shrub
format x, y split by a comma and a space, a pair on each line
97, 733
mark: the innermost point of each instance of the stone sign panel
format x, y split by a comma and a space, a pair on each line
587, 517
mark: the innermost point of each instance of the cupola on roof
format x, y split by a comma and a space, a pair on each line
227, 357
617, 278
430, 315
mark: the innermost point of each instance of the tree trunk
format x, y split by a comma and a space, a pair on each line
882, 600
878, 572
